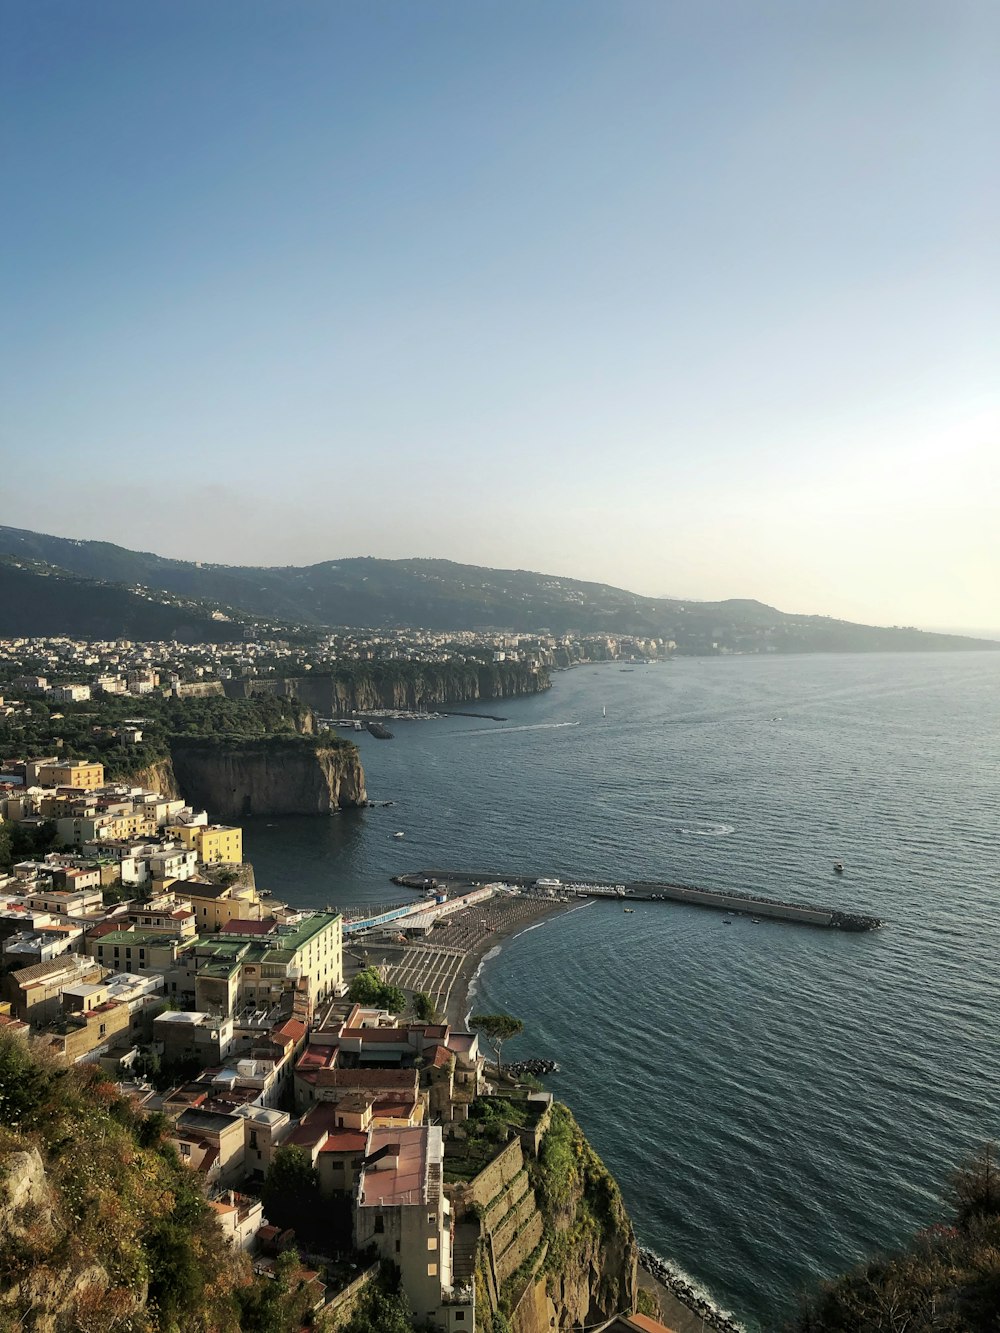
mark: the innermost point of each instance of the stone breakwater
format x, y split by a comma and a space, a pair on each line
687, 1295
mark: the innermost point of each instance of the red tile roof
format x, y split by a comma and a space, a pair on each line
345, 1140
292, 1028
265, 927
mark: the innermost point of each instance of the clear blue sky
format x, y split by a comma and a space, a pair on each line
698, 296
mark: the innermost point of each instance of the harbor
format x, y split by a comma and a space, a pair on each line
731, 901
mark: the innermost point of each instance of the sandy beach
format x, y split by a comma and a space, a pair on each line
447, 961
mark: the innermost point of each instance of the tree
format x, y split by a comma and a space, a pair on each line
497, 1028
974, 1188
365, 987
393, 999
424, 1007
369, 989
291, 1190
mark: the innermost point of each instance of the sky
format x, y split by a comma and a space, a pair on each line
696, 297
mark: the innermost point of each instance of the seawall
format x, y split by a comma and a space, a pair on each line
731, 901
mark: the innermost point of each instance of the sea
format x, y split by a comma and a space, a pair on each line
776, 1101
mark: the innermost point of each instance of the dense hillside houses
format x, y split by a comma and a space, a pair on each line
139, 944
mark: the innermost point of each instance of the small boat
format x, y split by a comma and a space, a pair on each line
727, 920
399, 835
628, 910
838, 867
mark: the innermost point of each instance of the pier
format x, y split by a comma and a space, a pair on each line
731, 901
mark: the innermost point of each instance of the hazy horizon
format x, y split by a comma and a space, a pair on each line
662, 296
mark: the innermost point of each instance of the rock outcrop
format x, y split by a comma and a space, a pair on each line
274, 775
553, 1244
158, 776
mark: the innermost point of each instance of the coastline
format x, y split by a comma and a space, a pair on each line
463, 992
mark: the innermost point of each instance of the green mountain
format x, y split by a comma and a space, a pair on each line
38, 600
443, 595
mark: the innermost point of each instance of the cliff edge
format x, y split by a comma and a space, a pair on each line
272, 775
543, 1233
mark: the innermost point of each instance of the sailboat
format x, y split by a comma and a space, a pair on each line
604, 711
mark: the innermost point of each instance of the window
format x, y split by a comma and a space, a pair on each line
432, 1270
432, 1219
379, 1224
253, 1138
185, 1149
459, 1316
398, 1245
432, 1242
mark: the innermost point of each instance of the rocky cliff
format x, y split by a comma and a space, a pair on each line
553, 1244
158, 776
102, 1229
409, 686
273, 775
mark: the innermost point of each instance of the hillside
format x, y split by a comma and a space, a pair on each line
443, 595
38, 600
101, 1227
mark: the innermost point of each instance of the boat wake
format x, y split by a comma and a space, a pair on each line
505, 731
708, 830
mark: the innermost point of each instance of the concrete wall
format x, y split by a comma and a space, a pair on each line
339, 1310
484, 1188
518, 1250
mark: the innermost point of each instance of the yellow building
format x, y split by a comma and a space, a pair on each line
127, 827
215, 843
215, 905
78, 774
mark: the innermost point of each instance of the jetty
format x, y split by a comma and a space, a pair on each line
730, 901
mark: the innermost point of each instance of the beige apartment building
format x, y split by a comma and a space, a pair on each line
83, 776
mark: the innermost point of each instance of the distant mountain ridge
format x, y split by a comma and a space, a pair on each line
443, 595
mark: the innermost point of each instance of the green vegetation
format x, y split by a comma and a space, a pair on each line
381, 1309
497, 1029
369, 989
40, 599
646, 1303
280, 1305
424, 1008
291, 1190
25, 842
442, 595
87, 730
117, 1235
947, 1280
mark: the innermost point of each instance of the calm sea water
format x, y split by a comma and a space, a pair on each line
776, 1102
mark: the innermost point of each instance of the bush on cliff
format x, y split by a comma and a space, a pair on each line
947, 1280
101, 1226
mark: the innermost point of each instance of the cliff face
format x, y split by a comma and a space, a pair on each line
554, 1246
405, 686
159, 777
234, 779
